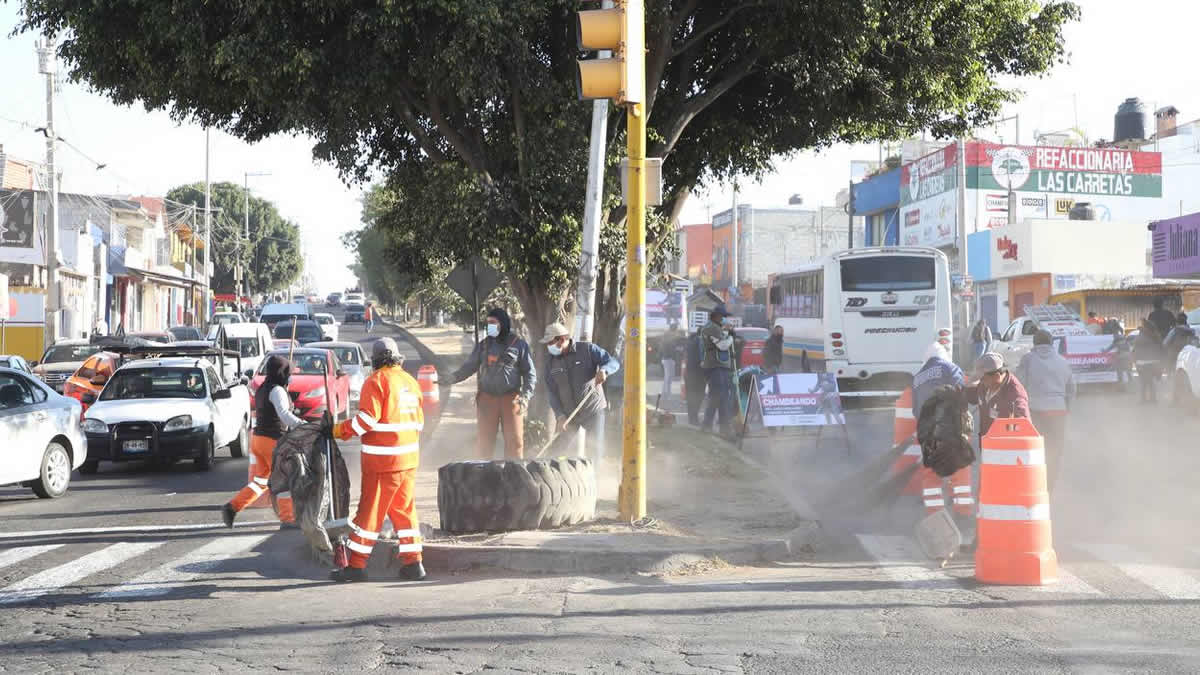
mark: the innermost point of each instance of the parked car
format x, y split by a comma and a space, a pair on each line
227, 317
273, 314
61, 360
354, 313
185, 333
303, 332
166, 409
316, 375
91, 376
40, 435
250, 340
333, 300
329, 326
15, 362
159, 336
352, 359
754, 341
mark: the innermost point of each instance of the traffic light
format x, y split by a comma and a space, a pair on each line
621, 29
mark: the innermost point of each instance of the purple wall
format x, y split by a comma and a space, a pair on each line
1176, 247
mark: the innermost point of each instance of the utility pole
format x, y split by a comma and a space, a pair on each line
192, 293
734, 248
961, 233
243, 288
207, 235
585, 295
46, 67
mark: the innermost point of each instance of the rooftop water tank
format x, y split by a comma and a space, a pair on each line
1130, 121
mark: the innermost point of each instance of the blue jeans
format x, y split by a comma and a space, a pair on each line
720, 384
979, 347
370, 324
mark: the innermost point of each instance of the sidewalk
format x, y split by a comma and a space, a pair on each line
706, 505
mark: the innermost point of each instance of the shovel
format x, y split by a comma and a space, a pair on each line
938, 536
588, 392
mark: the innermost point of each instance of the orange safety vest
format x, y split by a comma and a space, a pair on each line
389, 420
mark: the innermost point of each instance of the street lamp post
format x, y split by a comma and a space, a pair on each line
243, 288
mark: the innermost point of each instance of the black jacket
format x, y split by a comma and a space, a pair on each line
773, 352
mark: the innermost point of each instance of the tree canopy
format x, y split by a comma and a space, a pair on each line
273, 256
468, 106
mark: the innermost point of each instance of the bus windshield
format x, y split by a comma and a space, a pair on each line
888, 273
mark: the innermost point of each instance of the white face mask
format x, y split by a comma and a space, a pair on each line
554, 350
493, 330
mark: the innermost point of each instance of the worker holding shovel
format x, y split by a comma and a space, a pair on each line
577, 372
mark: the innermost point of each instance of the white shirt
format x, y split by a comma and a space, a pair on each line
283, 408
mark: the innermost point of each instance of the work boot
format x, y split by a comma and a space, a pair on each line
228, 514
412, 572
348, 575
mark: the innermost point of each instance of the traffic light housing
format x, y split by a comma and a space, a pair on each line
620, 29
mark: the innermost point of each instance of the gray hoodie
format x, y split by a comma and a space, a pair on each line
1047, 379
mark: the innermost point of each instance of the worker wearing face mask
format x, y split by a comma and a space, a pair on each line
506, 378
576, 372
717, 342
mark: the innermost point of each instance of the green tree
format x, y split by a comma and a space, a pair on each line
468, 106
272, 255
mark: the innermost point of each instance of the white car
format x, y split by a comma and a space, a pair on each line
352, 360
251, 341
166, 409
354, 298
329, 326
227, 317
39, 434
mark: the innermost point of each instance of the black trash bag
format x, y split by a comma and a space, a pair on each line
944, 431
299, 467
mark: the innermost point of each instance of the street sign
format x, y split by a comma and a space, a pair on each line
473, 280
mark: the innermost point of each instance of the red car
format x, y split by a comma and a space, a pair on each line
316, 376
752, 349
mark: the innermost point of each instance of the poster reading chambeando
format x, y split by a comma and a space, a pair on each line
800, 399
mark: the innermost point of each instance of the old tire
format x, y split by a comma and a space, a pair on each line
516, 495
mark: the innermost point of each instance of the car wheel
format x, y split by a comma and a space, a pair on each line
205, 461
238, 447
55, 475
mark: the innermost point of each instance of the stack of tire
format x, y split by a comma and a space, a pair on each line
499, 496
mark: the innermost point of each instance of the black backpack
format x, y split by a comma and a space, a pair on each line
944, 431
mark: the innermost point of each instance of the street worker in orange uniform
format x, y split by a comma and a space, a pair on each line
389, 420
272, 416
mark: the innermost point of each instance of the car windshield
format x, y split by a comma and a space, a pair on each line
275, 319
347, 355
227, 318
185, 333
68, 353
160, 338
325, 320
154, 383
311, 363
304, 331
246, 346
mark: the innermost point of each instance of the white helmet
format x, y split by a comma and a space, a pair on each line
938, 350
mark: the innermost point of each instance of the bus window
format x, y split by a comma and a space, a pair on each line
888, 273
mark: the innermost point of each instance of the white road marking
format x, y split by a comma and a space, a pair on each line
1170, 581
141, 529
900, 560
55, 578
178, 572
15, 555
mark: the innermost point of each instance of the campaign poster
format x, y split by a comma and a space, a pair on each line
800, 400
1090, 362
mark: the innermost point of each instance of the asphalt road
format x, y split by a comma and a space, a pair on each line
199, 598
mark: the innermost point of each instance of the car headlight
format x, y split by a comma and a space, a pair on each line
315, 393
178, 423
94, 426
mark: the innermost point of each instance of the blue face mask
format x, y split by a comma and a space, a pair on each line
554, 350
493, 330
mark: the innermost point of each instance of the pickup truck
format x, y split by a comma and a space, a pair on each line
1093, 358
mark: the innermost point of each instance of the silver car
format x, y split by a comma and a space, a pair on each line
15, 362
40, 434
354, 362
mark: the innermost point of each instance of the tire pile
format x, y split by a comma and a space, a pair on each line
499, 496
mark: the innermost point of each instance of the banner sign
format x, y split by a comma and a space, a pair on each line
1175, 247
16, 219
928, 199
1088, 364
1073, 171
800, 399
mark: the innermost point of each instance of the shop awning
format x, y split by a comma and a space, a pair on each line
163, 279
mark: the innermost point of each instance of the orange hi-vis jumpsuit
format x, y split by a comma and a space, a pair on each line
268, 428
389, 420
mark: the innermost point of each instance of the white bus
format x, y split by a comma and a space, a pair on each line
866, 314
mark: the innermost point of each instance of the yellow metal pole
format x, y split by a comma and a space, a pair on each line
633, 459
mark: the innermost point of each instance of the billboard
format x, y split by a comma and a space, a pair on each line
722, 254
1175, 247
18, 213
1082, 172
928, 199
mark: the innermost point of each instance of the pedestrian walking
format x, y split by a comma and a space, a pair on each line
773, 351
671, 350
1162, 318
1148, 354
997, 392
1048, 381
272, 416
389, 420
981, 338
369, 317
717, 341
575, 375
694, 377
505, 380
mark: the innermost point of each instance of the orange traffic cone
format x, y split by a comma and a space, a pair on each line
427, 379
904, 429
1014, 540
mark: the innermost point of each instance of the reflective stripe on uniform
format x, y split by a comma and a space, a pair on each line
365, 534
964, 500
391, 450
400, 426
400, 534
358, 548
904, 413
962, 489
366, 420
256, 488
1014, 512
284, 495
408, 548
932, 491
1011, 457
935, 502
252, 462
913, 451
357, 427
261, 480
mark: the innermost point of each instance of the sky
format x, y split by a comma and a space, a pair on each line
148, 154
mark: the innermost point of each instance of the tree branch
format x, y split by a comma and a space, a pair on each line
423, 139
696, 104
456, 141
656, 64
696, 37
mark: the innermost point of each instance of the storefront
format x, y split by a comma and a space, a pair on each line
877, 201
